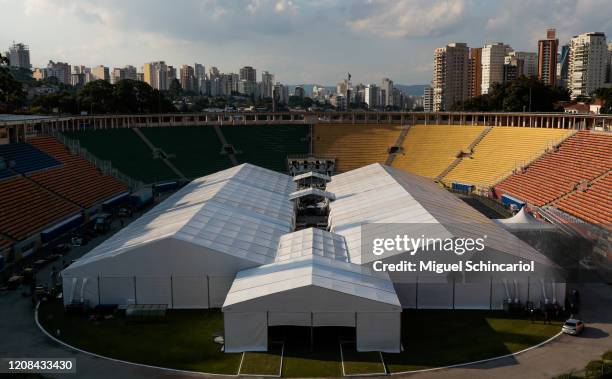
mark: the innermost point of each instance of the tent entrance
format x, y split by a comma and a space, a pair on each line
306, 338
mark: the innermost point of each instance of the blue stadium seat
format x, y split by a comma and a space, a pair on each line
23, 158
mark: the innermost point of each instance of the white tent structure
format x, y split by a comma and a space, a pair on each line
186, 251
312, 284
523, 221
228, 240
404, 203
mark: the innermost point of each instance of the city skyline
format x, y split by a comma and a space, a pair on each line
300, 42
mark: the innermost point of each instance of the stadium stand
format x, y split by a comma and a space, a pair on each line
195, 151
354, 145
429, 149
76, 180
267, 145
501, 151
593, 204
126, 151
22, 158
582, 157
27, 208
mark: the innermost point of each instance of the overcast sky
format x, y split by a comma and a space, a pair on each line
300, 41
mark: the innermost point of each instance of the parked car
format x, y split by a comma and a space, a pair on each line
573, 326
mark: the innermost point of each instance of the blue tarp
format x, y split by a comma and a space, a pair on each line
509, 200
60, 228
462, 186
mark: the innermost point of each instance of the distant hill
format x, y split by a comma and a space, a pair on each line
411, 90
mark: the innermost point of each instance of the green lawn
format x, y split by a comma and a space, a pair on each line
185, 341
360, 363
263, 363
442, 338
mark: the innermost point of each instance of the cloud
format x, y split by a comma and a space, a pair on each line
407, 18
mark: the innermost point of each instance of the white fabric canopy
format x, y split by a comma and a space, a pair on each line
523, 221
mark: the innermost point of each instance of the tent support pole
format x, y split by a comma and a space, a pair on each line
99, 296
171, 293
311, 333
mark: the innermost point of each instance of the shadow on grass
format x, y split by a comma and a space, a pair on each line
183, 341
442, 338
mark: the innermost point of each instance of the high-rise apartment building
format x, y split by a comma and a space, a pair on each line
156, 74
188, 78
101, 73
61, 71
547, 58
428, 99
475, 72
529, 62
267, 84
387, 86
609, 76
563, 66
248, 80
19, 55
127, 72
493, 59
372, 95
588, 61
450, 79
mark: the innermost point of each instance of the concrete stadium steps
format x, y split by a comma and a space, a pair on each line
430, 149
267, 145
580, 158
126, 151
355, 145
27, 208
195, 150
76, 180
503, 150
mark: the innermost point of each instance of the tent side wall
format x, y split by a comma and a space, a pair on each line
378, 324
245, 331
172, 272
379, 332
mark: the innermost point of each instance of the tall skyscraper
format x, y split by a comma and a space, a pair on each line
61, 71
609, 76
248, 73
493, 59
563, 66
529, 62
199, 70
475, 72
428, 99
19, 55
372, 95
101, 73
188, 79
387, 86
547, 58
587, 63
267, 84
450, 78
156, 74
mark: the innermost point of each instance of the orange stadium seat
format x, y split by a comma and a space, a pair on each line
593, 204
26, 208
582, 157
77, 179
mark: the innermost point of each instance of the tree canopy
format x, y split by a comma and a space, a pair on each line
522, 95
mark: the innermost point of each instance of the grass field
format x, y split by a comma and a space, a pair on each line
263, 363
185, 341
361, 363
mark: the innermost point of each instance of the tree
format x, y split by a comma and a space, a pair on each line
63, 101
175, 90
97, 97
605, 94
522, 95
12, 95
131, 96
4, 60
